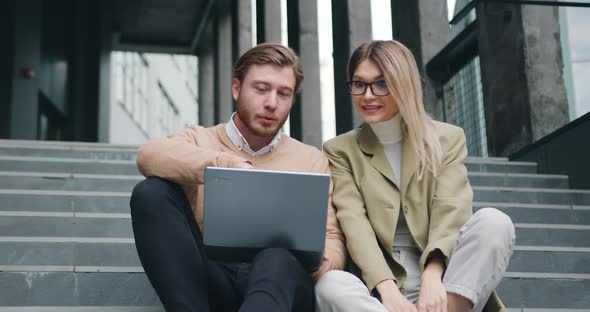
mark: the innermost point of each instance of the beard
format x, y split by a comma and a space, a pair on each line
249, 119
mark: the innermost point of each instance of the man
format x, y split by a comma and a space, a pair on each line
167, 207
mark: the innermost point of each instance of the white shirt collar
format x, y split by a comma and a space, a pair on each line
240, 142
389, 131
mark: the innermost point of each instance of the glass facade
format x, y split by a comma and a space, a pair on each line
158, 92
463, 106
576, 52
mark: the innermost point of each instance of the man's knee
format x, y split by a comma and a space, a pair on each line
278, 262
149, 192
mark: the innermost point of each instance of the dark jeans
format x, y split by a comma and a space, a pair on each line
170, 247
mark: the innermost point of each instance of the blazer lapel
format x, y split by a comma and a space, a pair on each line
409, 165
370, 145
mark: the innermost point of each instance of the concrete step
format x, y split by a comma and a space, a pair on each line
518, 180
68, 181
501, 166
492, 194
68, 149
121, 182
543, 291
546, 260
58, 226
67, 165
69, 225
82, 309
36, 253
70, 255
544, 310
76, 289
558, 235
64, 201
541, 213
70, 164
77, 152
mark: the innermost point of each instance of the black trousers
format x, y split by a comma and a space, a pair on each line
170, 247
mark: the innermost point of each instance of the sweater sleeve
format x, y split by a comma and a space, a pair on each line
179, 158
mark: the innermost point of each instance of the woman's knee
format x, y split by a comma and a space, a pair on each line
336, 285
494, 227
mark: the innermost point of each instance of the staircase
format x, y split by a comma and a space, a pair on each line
66, 242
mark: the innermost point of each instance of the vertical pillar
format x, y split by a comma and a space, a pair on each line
224, 100
243, 25
311, 110
423, 27
104, 73
544, 68
206, 89
524, 93
354, 17
6, 65
24, 108
272, 21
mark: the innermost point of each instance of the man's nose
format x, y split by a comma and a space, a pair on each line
272, 101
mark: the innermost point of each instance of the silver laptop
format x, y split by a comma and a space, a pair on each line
247, 210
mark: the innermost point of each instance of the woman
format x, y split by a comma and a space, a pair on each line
404, 201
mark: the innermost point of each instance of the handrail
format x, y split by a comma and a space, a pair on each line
469, 6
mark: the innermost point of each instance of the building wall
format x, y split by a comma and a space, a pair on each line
153, 95
576, 49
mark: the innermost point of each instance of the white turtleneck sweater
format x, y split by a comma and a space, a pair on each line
390, 136
389, 133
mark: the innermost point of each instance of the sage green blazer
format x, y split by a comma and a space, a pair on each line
368, 201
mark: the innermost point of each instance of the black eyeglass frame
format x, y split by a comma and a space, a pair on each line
370, 85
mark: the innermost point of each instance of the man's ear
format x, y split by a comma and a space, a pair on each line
235, 88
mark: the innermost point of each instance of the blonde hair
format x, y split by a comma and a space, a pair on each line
269, 53
402, 77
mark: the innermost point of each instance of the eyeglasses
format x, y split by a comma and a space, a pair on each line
378, 88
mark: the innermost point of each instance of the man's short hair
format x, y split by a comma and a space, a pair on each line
269, 53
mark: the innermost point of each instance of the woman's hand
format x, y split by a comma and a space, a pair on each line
433, 295
325, 267
392, 298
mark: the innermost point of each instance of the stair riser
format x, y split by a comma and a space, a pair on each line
531, 197
71, 289
69, 254
519, 182
65, 227
545, 293
64, 203
124, 289
546, 216
130, 168
125, 255
501, 168
69, 167
550, 262
121, 228
67, 184
121, 185
60, 153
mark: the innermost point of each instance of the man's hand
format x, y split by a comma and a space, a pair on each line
392, 298
228, 160
433, 296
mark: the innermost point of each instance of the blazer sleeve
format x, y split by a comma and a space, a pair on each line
178, 158
350, 209
334, 249
451, 205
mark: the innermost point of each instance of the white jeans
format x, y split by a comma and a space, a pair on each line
477, 265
